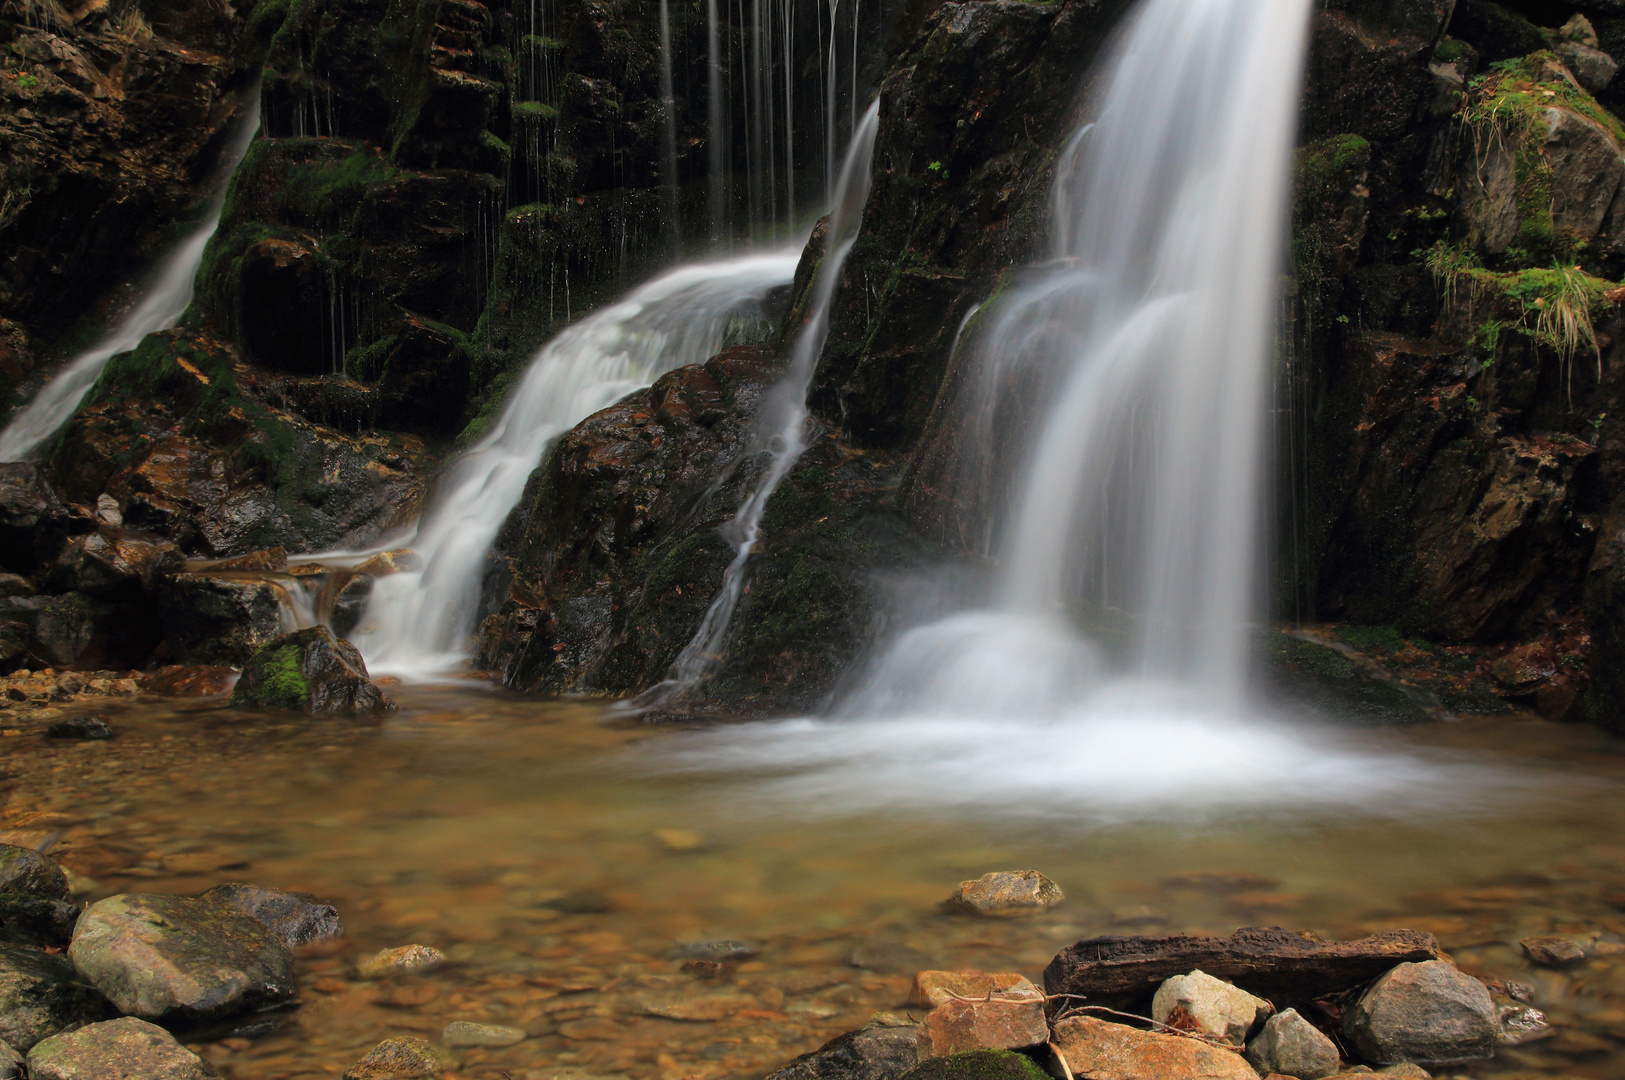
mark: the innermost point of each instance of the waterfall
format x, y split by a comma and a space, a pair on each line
782, 428
419, 622
160, 307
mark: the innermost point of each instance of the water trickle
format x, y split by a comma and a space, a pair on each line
782, 427
419, 623
162, 305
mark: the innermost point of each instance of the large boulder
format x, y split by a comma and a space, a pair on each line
1427, 1013
179, 958
312, 671
116, 1050
1101, 1050
883, 1050
217, 620
40, 995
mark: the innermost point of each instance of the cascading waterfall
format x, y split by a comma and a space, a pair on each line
419, 623
782, 428
161, 306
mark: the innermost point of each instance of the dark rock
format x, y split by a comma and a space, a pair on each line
1323, 682
1292, 1046
978, 1065
81, 727
312, 671
11, 1062
1424, 1013
294, 918
350, 603
719, 951
885, 1049
213, 620
26, 872
30, 512
1124, 972
32, 920
40, 995
113, 563
126, 1047
1552, 950
1495, 31
15, 585
203, 680
177, 958
1593, 68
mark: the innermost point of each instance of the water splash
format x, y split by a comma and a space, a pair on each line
161, 306
419, 623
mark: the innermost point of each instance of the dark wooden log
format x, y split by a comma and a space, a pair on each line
1123, 972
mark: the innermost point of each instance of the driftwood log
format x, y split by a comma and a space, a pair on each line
1123, 972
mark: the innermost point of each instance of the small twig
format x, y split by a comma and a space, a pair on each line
1060, 1057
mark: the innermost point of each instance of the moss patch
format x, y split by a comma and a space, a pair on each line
280, 684
978, 1065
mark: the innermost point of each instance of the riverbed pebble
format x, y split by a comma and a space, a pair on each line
466, 1033
1424, 1013
401, 1056
126, 1047
1291, 1045
81, 727
296, 919
1200, 1002
1552, 950
403, 960
1006, 893
887, 1046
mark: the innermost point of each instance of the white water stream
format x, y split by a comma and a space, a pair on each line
418, 623
161, 306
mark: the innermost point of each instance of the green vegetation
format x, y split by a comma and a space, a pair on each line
978, 1065
533, 112
278, 682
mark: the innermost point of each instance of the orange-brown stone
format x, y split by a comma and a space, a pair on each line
1100, 1050
1006, 1021
934, 988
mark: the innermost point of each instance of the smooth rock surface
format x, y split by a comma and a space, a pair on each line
26, 872
1101, 1050
40, 995
467, 1033
1423, 1013
312, 671
884, 1049
1208, 1005
1007, 1021
1593, 68
122, 1049
401, 1056
179, 958
1552, 950
402, 960
1291, 1045
1006, 893
294, 918
933, 988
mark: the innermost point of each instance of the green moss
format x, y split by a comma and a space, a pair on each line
490, 141
1451, 51
1322, 165
278, 681
1372, 639
533, 112
978, 1065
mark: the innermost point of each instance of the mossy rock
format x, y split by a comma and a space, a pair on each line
978, 1065
1324, 682
310, 671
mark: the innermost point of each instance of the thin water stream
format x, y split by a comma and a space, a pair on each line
558, 859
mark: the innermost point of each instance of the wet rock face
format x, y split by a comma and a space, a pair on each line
294, 918
885, 1049
116, 1048
1423, 1013
312, 671
178, 958
34, 907
40, 995
217, 620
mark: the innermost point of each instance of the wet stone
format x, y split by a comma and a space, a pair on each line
26, 872
11, 1062
1199, 1002
1291, 1045
883, 1049
403, 960
465, 1033
1101, 1050
40, 995
1521, 1023
1424, 1013
402, 1056
81, 727
1006, 1021
311, 671
716, 951
978, 1065
31, 920
1552, 950
178, 957
294, 918
1006, 894
116, 1049
934, 988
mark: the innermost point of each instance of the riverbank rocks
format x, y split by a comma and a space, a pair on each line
1199, 1002
1006, 894
404, 960
978, 1065
1552, 950
11, 1063
934, 988
26, 872
40, 995
179, 958
1423, 1013
883, 1049
295, 919
467, 1033
1009, 1020
402, 1056
1292, 1046
115, 1049
216, 620
34, 906
312, 671
1101, 1050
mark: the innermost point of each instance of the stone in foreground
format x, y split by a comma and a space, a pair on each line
122, 1049
1101, 1050
179, 957
401, 1056
40, 995
1008, 1021
1006, 894
25, 872
467, 1033
30, 920
978, 1065
311, 671
1291, 1045
11, 1062
1199, 1002
933, 988
1423, 1013
403, 960
1552, 950
884, 1049
294, 918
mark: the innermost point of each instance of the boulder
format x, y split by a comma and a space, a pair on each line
884, 1049
1101, 1050
180, 958
26, 872
1423, 1013
467, 1033
1199, 1002
1006, 1021
404, 960
215, 620
1292, 1046
34, 920
934, 988
312, 671
1552, 950
113, 1050
113, 562
11, 1062
401, 1056
1006, 893
40, 995
1592, 68
295, 919
1124, 972
29, 511
978, 1065
197, 680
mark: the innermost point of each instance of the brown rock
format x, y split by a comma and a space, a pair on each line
200, 680
402, 1056
405, 960
1101, 1050
1007, 1021
275, 558
934, 988
1007, 893
1552, 950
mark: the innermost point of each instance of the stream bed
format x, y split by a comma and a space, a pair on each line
543, 849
